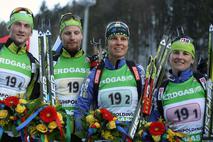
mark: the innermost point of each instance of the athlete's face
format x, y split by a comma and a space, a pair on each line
117, 46
180, 61
20, 32
71, 38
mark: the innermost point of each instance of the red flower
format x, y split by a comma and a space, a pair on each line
48, 114
156, 128
106, 114
11, 101
1, 102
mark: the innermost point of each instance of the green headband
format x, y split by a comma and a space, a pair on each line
21, 17
184, 46
70, 22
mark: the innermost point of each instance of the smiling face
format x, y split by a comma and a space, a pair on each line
180, 61
20, 32
71, 38
117, 46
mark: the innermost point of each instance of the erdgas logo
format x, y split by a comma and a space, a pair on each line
117, 79
182, 93
71, 70
15, 63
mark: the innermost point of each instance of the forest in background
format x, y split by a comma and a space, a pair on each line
148, 20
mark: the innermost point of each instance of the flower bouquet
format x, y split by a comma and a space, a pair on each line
158, 132
13, 111
33, 118
49, 124
102, 124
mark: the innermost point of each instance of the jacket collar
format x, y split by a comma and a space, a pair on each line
78, 54
183, 76
118, 65
14, 48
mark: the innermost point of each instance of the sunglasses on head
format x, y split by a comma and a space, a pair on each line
184, 38
22, 10
116, 27
117, 24
68, 16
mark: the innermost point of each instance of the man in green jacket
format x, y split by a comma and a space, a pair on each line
71, 65
18, 67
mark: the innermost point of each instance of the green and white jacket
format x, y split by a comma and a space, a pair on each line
181, 102
69, 73
18, 71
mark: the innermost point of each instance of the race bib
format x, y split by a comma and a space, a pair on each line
68, 86
117, 98
122, 101
184, 113
12, 81
67, 91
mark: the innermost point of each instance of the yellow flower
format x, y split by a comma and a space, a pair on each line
20, 108
3, 122
98, 110
50, 130
22, 101
180, 134
156, 138
111, 125
90, 119
147, 124
107, 135
32, 130
42, 128
140, 132
97, 125
170, 133
52, 125
3, 114
114, 118
12, 117
60, 117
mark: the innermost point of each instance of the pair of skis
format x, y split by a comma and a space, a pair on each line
154, 74
46, 64
208, 119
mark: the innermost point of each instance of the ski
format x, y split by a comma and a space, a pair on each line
138, 114
210, 54
42, 63
46, 60
208, 119
148, 86
162, 66
152, 75
50, 69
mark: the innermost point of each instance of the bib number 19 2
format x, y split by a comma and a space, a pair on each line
116, 98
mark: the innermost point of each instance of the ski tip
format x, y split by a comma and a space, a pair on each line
163, 42
211, 28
